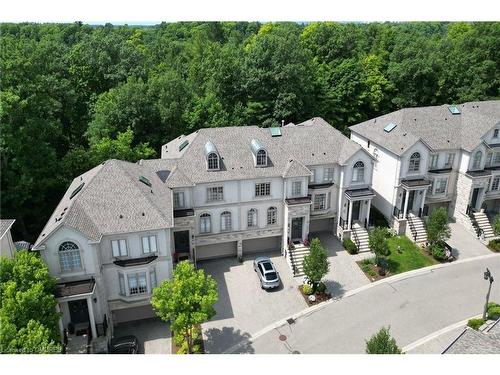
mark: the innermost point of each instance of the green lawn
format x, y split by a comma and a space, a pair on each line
410, 258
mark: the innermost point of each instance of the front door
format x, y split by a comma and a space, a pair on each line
356, 205
78, 311
411, 198
297, 229
475, 194
181, 241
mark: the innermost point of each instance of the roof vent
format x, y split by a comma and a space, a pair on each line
390, 127
183, 145
77, 190
121, 216
275, 131
145, 181
454, 110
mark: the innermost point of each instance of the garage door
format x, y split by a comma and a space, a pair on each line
258, 245
321, 225
219, 250
134, 313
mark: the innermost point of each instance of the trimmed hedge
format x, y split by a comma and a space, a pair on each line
493, 310
475, 323
350, 246
494, 245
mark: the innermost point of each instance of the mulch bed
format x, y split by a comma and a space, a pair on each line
199, 342
320, 297
373, 267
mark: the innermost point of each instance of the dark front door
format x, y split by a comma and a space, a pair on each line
297, 228
78, 311
181, 241
355, 210
473, 201
411, 198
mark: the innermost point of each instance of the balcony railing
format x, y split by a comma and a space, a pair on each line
343, 223
398, 213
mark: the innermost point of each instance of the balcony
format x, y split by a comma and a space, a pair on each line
183, 212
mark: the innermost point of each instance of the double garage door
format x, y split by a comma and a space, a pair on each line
230, 249
133, 313
321, 225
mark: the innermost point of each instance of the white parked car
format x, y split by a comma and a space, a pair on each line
268, 276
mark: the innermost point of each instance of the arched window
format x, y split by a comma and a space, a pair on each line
358, 172
205, 223
252, 218
477, 160
414, 165
261, 158
69, 257
271, 215
225, 221
213, 161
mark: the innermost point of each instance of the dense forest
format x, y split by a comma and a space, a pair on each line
73, 95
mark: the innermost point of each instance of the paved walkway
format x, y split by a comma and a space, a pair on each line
414, 305
465, 244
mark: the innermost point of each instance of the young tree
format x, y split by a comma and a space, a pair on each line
29, 321
186, 300
382, 343
438, 229
496, 225
316, 264
378, 242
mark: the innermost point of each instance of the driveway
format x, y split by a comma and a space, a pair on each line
153, 335
243, 307
344, 273
464, 243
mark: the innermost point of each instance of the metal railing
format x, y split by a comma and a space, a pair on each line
397, 213
470, 212
412, 229
343, 223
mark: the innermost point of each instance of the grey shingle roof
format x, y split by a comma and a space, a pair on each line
312, 142
113, 200
295, 168
474, 342
435, 126
5, 225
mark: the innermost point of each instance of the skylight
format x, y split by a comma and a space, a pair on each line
183, 145
145, 181
275, 131
77, 190
454, 110
390, 127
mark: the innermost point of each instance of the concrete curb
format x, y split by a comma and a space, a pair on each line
350, 293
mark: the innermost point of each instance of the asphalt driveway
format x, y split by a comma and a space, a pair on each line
243, 307
153, 335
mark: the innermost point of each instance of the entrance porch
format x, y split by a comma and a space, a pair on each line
410, 202
356, 205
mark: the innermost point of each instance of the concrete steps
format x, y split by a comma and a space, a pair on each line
416, 226
360, 238
296, 258
484, 223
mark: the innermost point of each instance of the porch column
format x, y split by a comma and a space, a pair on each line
61, 325
423, 201
368, 212
406, 204
91, 316
350, 215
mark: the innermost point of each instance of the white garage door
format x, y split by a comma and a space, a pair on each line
134, 313
321, 225
258, 245
219, 250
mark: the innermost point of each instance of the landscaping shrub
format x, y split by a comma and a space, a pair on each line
321, 288
437, 251
438, 229
494, 245
307, 289
493, 310
475, 323
496, 225
378, 241
350, 246
382, 343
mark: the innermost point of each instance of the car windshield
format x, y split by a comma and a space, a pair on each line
271, 276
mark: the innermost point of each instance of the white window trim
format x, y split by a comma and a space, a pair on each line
294, 192
272, 216
119, 242
77, 251
320, 204
252, 218
181, 200
262, 186
328, 177
148, 237
497, 177
205, 217
218, 196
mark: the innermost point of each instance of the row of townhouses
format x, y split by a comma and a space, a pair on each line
233, 191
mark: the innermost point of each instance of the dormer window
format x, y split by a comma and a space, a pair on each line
259, 153
261, 158
358, 172
414, 165
213, 161
213, 157
477, 160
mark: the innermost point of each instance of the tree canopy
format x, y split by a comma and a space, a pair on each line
68, 91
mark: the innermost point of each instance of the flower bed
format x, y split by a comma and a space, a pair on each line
320, 297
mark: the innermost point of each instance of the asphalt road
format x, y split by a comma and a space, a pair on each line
414, 307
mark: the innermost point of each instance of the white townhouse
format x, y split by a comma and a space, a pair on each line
7, 246
218, 192
440, 156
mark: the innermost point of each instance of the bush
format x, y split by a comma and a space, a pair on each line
378, 241
494, 245
307, 289
496, 225
438, 229
382, 343
437, 251
493, 310
475, 323
321, 288
350, 246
